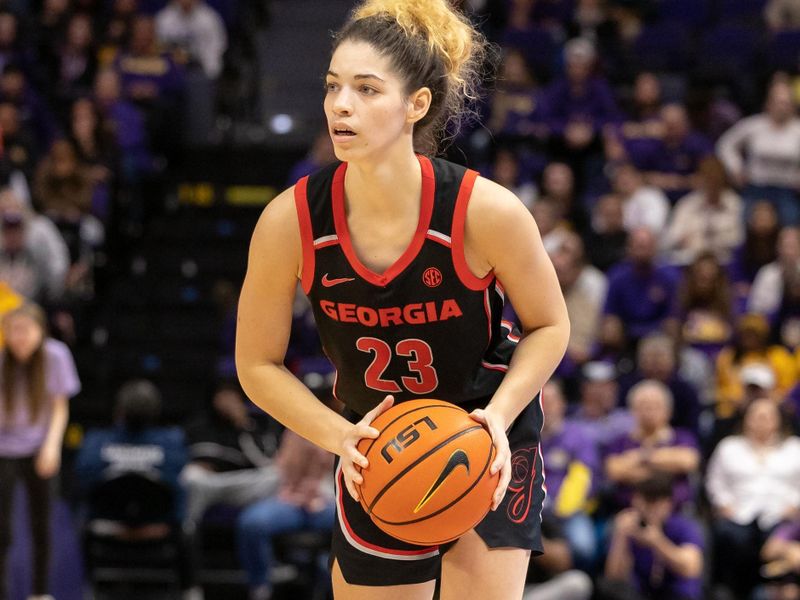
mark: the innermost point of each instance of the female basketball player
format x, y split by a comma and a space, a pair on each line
402, 257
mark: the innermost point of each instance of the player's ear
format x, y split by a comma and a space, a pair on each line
419, 102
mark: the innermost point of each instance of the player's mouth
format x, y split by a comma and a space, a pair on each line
342, 133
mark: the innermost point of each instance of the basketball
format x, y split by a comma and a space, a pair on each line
428, 479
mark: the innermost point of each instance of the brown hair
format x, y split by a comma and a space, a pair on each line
33, 370
430, 45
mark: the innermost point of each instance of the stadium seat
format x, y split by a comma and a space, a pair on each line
663, 46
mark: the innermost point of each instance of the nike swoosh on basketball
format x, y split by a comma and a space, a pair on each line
458, 458
327, 282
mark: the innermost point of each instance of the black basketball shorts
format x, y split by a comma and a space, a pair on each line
368, 556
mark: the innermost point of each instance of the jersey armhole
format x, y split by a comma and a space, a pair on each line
467, 277
306, 233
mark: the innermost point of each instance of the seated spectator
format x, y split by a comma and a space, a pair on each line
762, 154
767, 290
305, 501
709, 219
33, 111
781, 555
642, 205
558, 187
116, 29
751, 346
672, 162
641, 293
230, 456
136, 443
584, 288
652, 448
195, 33
573, 465
515, 104
655, 553
782, 14
552, 576
38, 379
507, 170
19, 149
607, 239
752, 487
758, 249
598, 413
552, 227
71, 70
62, 187
641, 126
319, 155
704, 311
656, 360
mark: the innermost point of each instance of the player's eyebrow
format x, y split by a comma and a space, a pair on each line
359, 76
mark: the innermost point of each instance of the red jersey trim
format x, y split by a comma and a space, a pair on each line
306, 233
466, 276
340, 223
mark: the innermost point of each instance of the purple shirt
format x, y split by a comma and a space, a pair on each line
681, 489
642, 299
619, 422
681, 159
594, 104
561, 448
648, 575
787, 532
18, 436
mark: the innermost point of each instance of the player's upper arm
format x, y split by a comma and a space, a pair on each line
265, 304
502, 231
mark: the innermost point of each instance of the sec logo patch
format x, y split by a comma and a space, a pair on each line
432, 277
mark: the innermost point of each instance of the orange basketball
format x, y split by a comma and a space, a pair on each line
428, 478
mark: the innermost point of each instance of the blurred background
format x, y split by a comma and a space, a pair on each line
657, 145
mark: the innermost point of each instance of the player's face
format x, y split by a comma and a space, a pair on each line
365, 103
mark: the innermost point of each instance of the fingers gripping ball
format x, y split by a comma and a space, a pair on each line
428, 480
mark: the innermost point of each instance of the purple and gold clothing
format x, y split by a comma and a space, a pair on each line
562, 449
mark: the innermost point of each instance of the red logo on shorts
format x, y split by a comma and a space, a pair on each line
432, 277
520, 490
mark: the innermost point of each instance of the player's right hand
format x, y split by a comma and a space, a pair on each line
352, 460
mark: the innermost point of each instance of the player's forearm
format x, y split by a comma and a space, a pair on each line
279, 393
536, 357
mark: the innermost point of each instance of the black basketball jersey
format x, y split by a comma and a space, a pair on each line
427, 326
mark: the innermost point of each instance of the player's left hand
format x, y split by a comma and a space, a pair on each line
502, 460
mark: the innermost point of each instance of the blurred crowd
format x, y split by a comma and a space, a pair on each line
657, 145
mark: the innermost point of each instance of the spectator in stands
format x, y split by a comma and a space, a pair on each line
656, 359
584, 288
515, 104
751, 346
50, 27
230, 456
708, 219
767, 290
136, 443
305, 501
116, 30
782, 14
558, 187
641, 293
672, 162
72, 69
62, 187
552, 576
752, 486
598, 413
652, 448
642, 205
573, 467
759, 249
781, 555
19, 149
195, 32
552, 227
127, 123
607, 239
319, 155
12, 50
762, 154
704, 311
33, 111
656, 553
38, 377
578, 105
507, 170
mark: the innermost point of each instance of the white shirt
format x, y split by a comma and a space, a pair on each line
646, 207
772, 152
201, 32
753, 485
767, 291
696, 226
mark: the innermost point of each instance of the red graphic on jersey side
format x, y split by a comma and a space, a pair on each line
432, 277
520, 490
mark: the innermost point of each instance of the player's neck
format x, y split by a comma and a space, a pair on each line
386, 187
